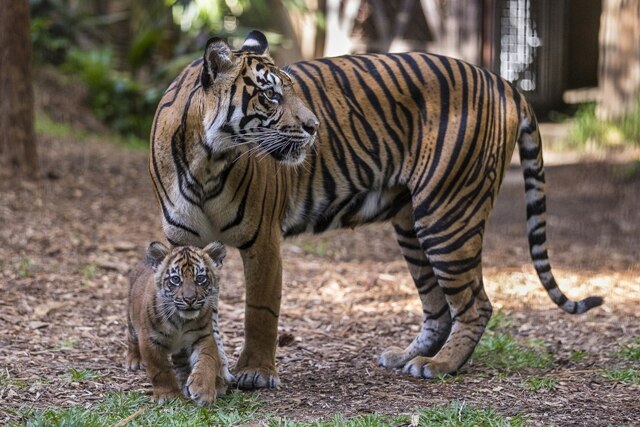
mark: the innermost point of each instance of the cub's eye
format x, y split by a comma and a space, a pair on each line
202, 279
271, 94
175, 280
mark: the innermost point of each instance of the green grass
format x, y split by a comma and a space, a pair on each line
540, 383
7, 381
456, 413
235, 409
588, 130
631, 351
67, 344
241, 408
622, 375
578, 356
24, 268
48, 127
78, 375
499, 350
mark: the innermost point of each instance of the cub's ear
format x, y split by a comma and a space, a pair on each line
218, 59
156, 252
216, 252
256, 42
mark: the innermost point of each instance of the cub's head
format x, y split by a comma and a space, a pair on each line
250, 104
186, 277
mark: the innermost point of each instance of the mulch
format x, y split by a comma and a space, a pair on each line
68, 239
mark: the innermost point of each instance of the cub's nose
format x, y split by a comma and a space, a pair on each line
189, 299
311, 126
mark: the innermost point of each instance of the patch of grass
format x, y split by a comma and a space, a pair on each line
24, 268
319, 247
44, 125
623, 375
540, 383
499, 320
7, 381
88, 272
577, 356
631, 351
77, 375
235, 409
454, 414
65, 344
588, 130
499, 350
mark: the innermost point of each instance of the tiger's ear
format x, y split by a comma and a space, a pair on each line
216, 252
156, 252
256, 42
218, 59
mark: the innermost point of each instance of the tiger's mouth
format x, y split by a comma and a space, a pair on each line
292, 152
189, 313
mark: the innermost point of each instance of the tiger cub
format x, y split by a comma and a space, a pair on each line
173, 314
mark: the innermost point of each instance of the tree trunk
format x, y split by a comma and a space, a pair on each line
619, 70
17, 139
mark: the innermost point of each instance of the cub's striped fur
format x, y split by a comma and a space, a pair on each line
421, 140
173, 309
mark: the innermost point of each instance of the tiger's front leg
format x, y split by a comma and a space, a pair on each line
256, 367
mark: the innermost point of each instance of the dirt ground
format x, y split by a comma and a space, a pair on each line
68, 239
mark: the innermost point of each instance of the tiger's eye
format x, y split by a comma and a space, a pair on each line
201, 279
270, 94
175, 280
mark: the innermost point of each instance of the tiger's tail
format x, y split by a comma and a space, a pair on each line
530, 147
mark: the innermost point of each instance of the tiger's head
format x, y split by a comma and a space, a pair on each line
186, 277
250, 104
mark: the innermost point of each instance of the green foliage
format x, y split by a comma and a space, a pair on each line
456, 413
577, 356
589, 130
502, 351
24, 268
631, 351
623, 375
77, 375
235, 409
126, 105
541, 383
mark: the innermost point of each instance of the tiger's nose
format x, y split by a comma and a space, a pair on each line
311, 126
189, 299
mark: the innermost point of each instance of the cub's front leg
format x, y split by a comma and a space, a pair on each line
256, 366
205, 382
159, 370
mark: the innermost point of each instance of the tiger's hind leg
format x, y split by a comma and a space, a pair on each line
437, 320
455, 255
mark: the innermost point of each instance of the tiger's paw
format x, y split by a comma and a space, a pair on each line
426, 367
134, 363
392, 358
253, 378
163, 396
201, 389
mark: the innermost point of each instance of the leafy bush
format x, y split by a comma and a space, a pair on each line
124, 104
588, 129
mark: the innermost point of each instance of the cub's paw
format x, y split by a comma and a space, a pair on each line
426, 367
392, 358
134, 363
252, 378
228, 377
164, 396
201, 389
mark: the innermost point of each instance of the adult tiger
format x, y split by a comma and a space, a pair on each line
418, 139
